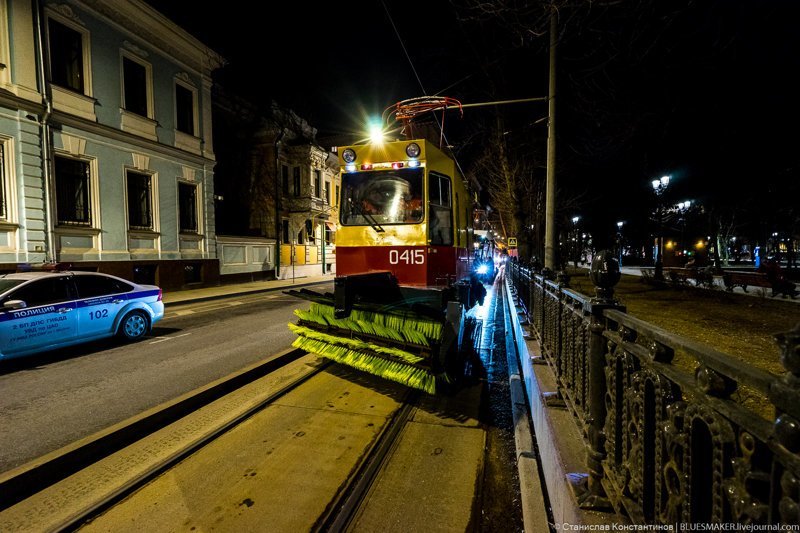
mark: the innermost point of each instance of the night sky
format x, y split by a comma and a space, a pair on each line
705, 91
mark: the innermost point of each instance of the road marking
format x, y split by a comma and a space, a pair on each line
162, 339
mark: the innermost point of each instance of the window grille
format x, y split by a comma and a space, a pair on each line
140, 214
187, 207
72, 192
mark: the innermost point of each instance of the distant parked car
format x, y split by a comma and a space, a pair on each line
41, 311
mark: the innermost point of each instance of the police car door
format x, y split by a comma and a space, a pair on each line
100, 299
47, 319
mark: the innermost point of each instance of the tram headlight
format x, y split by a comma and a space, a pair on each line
482, 269
349, 155
413, 150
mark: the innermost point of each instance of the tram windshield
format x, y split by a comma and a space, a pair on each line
382, 197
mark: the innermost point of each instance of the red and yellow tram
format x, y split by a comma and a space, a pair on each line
404, 208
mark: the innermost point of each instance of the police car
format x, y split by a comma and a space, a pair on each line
45, 310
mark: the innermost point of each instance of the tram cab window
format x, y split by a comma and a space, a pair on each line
441, 216
382, 197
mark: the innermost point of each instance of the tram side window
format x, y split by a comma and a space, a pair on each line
441, 217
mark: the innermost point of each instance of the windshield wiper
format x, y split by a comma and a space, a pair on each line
369, 218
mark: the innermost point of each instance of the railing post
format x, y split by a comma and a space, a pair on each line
605, 274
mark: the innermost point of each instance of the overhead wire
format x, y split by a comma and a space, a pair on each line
422, 86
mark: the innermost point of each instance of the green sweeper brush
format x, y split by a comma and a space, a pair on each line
395, 347
405, 334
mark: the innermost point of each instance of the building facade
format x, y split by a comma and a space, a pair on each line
309, 209
106, 141
277, 190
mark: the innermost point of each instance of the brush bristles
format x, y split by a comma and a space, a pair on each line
355, 344
397, 371
392, 327
394, 364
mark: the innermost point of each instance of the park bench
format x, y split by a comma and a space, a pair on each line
741, 279
684, 274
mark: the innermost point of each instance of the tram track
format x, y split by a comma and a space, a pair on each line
342, 510
308, 445
38, 490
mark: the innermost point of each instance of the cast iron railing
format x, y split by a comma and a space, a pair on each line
676, 431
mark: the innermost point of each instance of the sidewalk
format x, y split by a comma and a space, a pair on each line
172, 298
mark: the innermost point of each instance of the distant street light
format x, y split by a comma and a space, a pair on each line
659, 186
683, 207
576, 245
619, 239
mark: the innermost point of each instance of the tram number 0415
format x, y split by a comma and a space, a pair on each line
408, 257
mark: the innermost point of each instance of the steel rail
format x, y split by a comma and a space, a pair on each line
343, 509
132, 485
20, 483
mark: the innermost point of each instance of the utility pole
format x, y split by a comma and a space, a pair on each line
550, 200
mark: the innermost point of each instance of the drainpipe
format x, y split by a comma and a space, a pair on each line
278, 225
45, 132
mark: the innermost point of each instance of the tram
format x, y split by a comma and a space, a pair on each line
406, 209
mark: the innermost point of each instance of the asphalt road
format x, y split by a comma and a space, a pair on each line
51, 400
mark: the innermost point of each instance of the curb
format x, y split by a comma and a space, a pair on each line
533, 491
243, 292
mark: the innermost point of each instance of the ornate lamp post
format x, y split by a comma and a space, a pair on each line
659, 186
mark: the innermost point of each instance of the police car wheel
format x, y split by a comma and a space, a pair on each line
134, 326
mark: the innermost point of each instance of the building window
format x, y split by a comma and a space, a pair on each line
187, 207
185, 109
3, 211
66, 56
72, 191
285, 179
135, 86
296, 172
311, 237
5, 75
317, 184
284, 230
328, 234
140, 205
328, 192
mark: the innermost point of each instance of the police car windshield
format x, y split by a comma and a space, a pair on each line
7, 284
382, 197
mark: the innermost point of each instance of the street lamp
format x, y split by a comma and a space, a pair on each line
683, 207
659, 186
575, 241
619, 239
